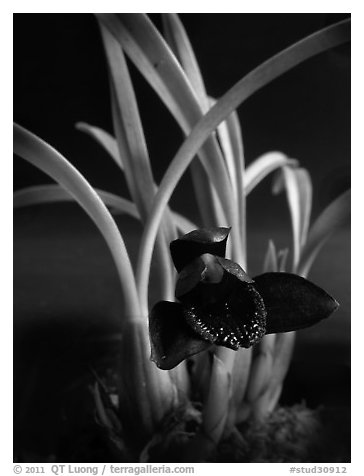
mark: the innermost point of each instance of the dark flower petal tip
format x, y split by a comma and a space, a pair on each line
198, 242
238, 321
233, 268
292, 302
172, 340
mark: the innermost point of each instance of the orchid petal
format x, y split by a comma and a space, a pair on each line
172, 340
198, 242
292, 302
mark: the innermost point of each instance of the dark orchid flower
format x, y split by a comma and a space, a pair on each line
220, 304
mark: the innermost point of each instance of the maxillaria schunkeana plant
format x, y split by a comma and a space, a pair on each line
221, 311
220, 304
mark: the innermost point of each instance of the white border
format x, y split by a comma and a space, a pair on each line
357, 201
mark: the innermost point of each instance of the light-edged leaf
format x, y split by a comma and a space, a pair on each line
231, 143
270, 260
239, 382
106, 140
224, 139
180, 377
43, 156
206, 195
42, 194
214, 416
282, 260
261, 369
147, 394
215, 410
237, 147
314, 44
335, 216
133, 148
152, 56
180, 44
298, 186
263, 166
201, 366
273, 260
265, 404
128, 127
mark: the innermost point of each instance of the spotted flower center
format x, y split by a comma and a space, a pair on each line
230, 314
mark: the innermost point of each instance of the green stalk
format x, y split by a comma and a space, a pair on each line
43, 156
42, 194
269, 70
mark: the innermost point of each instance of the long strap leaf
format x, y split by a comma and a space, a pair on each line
297, 183
133, 149
106, 140
268, 399
43, 156
205, 192
236, 142
269, 70
129, 129
180, 44
151, 55
231, 142
263, 166
215, 412
331, 219
41, 194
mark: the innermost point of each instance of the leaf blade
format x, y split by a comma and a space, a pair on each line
263, 166
269, 70
43, 156
106, 140
330, 220
42, 194
151, 55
